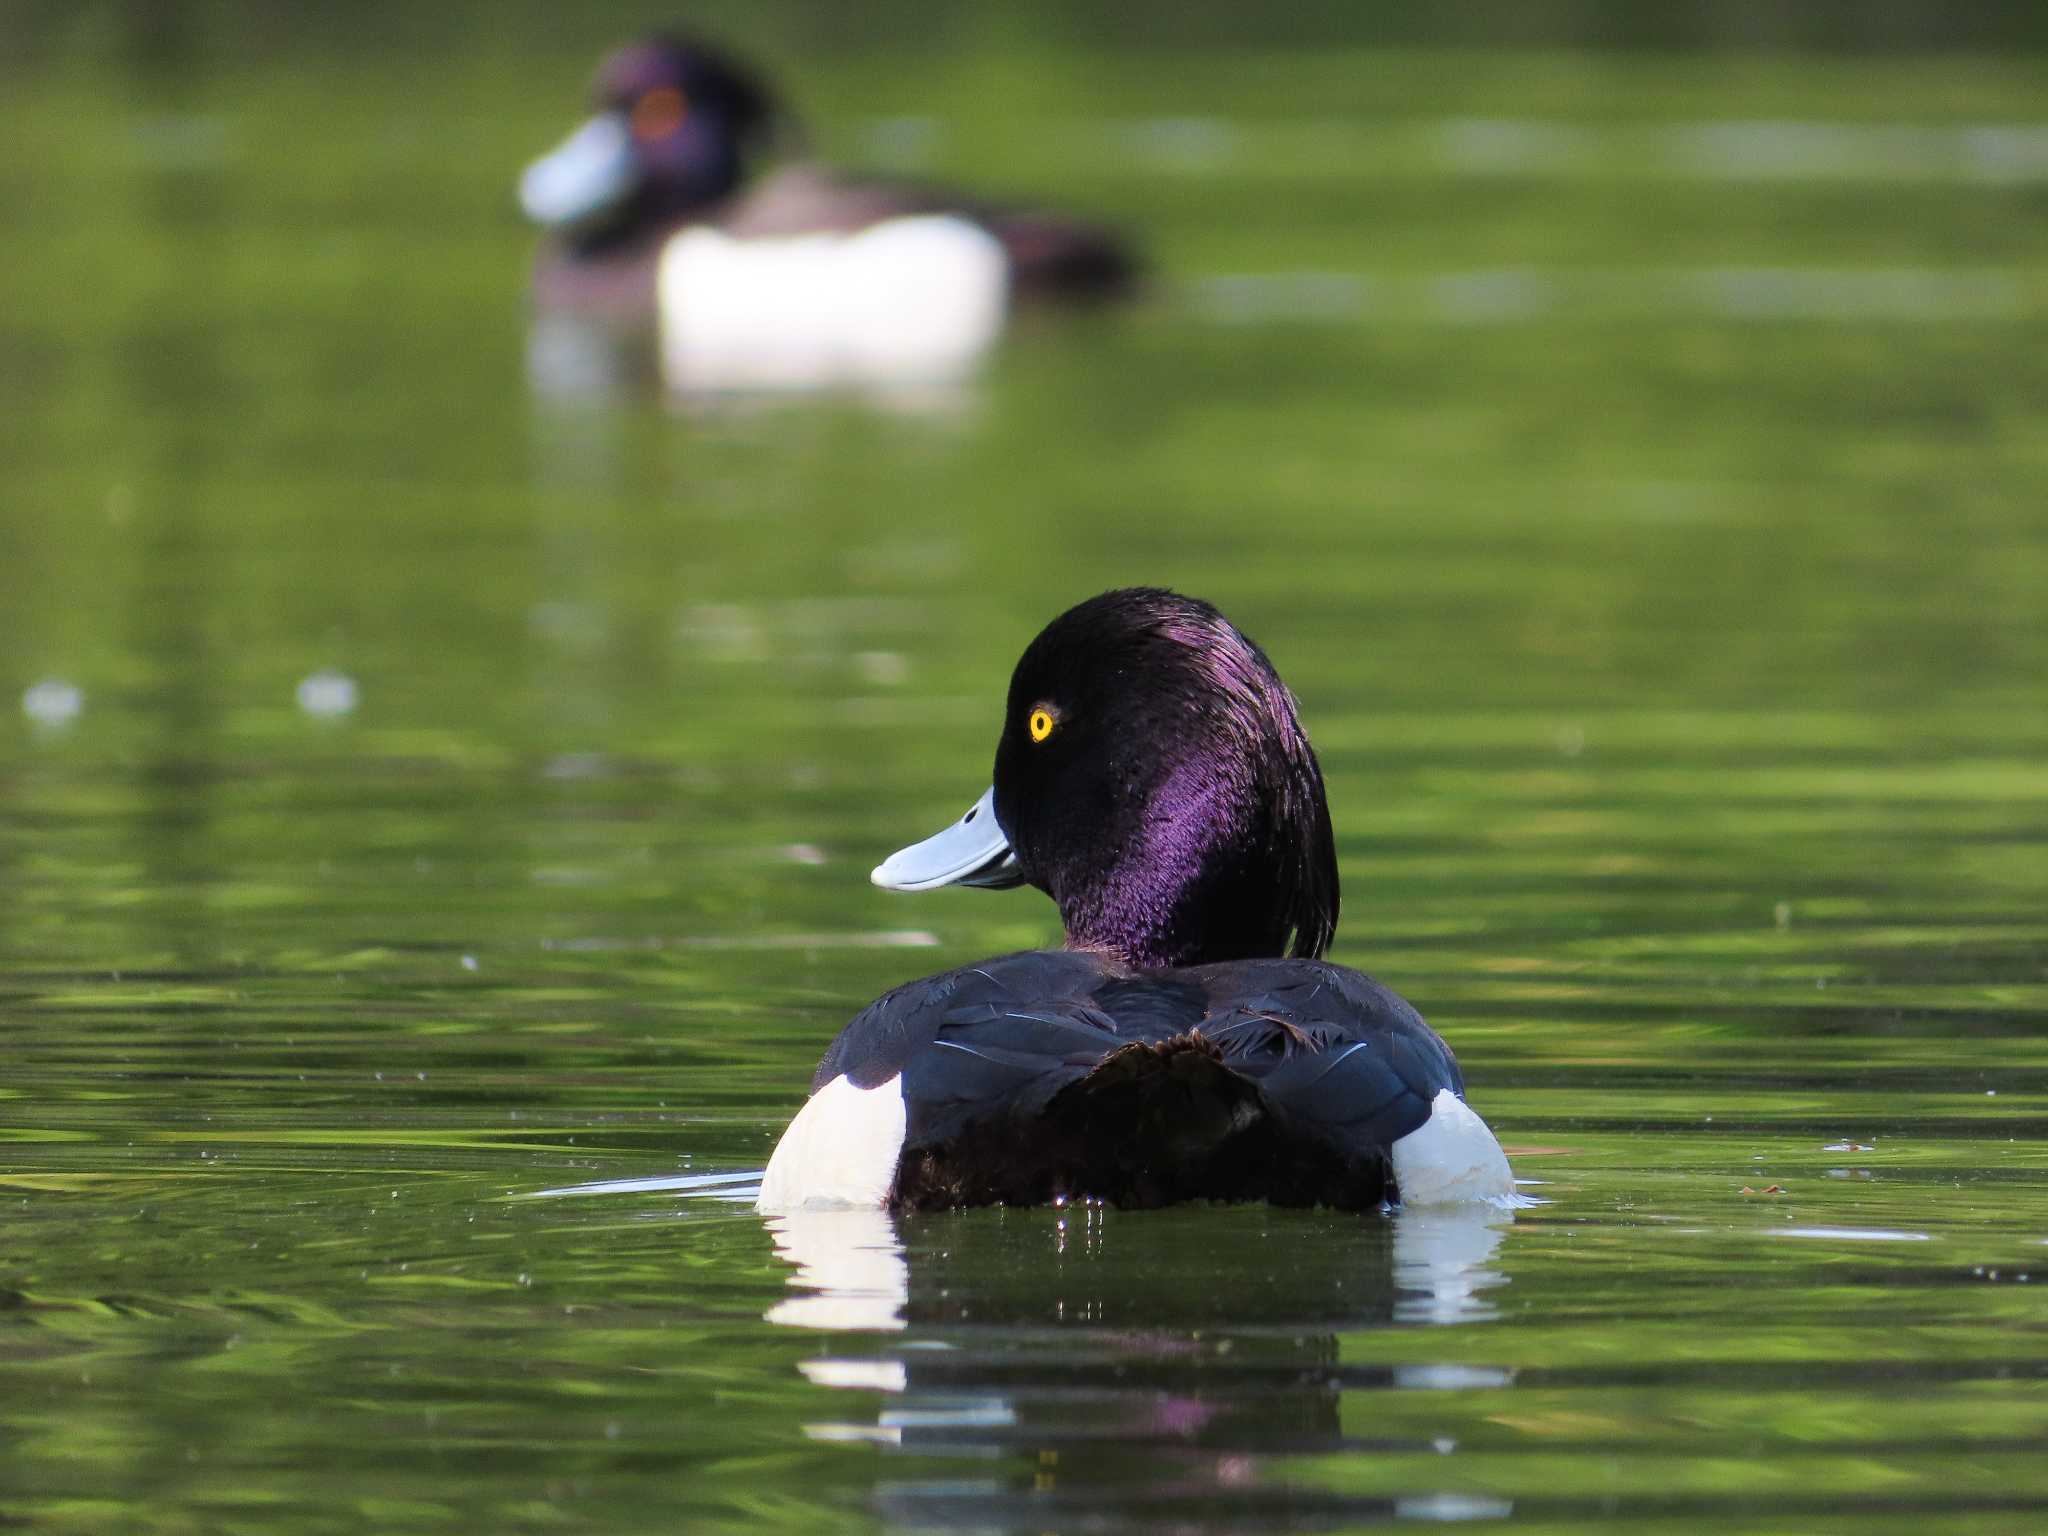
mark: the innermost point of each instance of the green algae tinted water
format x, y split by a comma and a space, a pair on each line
427, 784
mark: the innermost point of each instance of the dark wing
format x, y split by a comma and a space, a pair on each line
1001, 1037
1337, 1057
990, 1060
1043, 1073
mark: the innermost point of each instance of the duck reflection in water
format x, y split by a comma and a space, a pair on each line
667, 225
1165, 1359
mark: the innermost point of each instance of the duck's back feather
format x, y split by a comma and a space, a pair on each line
1044, 1074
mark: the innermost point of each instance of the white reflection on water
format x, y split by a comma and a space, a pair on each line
1136, 1365
1452, 1506
854, 1268
1441, 1259
862, 1375
1142, 1364
745, 1186
851, 1264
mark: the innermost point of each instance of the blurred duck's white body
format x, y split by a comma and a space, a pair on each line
906, 302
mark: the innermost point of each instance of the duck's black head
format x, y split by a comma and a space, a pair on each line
1153, 778
675, 126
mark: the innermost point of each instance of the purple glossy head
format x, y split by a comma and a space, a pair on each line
1155, 781
677, 123
696, 115
706, 78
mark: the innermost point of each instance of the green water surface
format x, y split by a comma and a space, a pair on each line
1635, 462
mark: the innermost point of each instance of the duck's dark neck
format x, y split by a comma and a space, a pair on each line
1218, 876
1144, 929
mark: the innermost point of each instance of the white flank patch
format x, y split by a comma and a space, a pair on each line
841, 1149
910, 301
1452, 1158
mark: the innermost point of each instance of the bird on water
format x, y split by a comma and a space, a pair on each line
685, 137
1189, 1042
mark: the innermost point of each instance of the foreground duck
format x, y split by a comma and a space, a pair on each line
1152, 778
660, 211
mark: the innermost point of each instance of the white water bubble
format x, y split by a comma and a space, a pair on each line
884, 669
327, 695
53, 702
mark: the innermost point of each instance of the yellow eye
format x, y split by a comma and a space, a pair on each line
1041, 723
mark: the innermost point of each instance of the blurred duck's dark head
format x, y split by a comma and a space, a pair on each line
1153, 778
676, 122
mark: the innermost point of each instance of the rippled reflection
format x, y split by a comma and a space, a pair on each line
849, 1263
1153, 1362
581, 362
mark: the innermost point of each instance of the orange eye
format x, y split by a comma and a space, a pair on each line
1040, 724
659, 113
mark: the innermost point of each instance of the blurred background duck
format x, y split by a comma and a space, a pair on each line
662, 210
